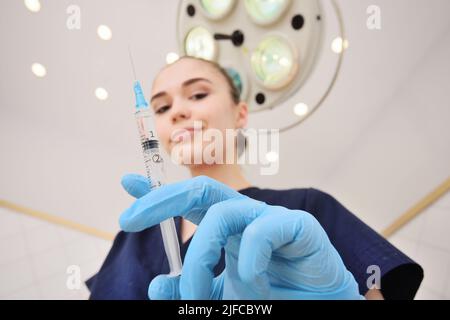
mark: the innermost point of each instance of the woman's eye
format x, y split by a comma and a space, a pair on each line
162, 110
199, 96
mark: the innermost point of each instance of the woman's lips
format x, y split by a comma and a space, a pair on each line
182, 135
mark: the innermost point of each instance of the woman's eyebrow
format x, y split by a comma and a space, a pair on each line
185, 84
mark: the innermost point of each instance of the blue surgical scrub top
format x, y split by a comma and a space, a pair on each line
136, 258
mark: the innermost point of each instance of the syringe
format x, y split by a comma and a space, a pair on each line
154, 166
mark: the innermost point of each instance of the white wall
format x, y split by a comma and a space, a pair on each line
404, 152
35, 256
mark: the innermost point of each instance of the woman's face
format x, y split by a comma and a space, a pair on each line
192, 91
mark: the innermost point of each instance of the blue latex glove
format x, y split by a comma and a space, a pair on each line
271, 252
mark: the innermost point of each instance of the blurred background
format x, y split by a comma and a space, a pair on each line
380, 143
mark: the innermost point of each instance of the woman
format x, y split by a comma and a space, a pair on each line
340, 248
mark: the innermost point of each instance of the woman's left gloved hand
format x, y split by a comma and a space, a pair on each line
271, 252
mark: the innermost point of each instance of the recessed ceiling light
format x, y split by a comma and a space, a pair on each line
104, 32
38, 70
338, 45
172, 57
301, 109
101, 94
33, 5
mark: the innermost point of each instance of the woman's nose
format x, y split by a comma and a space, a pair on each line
180, 112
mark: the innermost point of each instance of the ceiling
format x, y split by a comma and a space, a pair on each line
379, 143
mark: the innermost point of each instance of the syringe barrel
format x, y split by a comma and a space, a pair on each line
154, 163
154, 166
171, 246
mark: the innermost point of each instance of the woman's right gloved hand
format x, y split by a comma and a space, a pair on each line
271, 252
